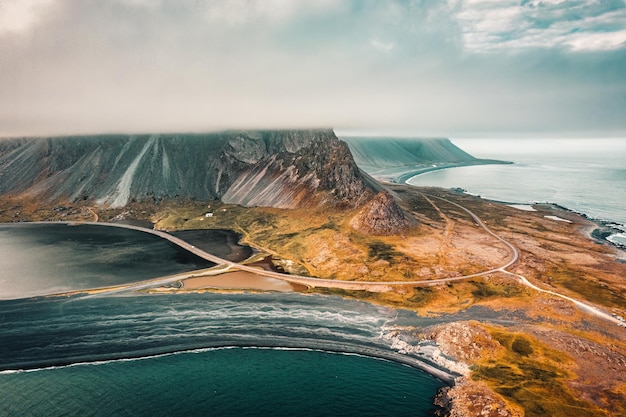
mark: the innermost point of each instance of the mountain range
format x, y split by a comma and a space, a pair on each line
284, 169
276, 168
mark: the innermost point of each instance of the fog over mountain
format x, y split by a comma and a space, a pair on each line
421, 68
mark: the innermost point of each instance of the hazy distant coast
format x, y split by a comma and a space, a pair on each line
403, 174
549, 176
397, 160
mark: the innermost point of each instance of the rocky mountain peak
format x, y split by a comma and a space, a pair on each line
382, 216
302, 167
246, 148
278, 168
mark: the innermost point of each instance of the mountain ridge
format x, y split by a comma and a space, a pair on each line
398, 159
283, 168
369, 151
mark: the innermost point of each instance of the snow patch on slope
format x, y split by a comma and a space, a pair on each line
166, 164
122, 193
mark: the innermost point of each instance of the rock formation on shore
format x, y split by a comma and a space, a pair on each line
285, 168
382, 216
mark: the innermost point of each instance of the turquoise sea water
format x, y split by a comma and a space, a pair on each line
224, 382
585, 176
205, 354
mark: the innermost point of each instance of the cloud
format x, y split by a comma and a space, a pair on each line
382, 46
596, 41
433, 68
19, 16
246, 11
576, 25
240, 12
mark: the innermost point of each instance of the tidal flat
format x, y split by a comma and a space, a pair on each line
48, 258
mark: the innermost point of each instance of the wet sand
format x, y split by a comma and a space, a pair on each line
241, 280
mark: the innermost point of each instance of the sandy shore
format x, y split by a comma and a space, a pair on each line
241, 280
400, 175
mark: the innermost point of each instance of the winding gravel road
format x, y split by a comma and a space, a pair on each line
346, 285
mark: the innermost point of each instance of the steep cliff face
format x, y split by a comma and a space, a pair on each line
382, 216
269, 168
297, 164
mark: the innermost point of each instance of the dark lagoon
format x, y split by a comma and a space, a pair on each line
221, 243
41, 259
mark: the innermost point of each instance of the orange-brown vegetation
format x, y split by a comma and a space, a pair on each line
538, 353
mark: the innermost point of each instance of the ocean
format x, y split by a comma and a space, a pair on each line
223, 382
205, 354
138, 354
586, 176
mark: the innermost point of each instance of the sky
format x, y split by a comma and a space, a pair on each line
445, 68
581, 149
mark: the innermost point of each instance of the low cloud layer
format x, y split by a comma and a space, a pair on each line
455, 68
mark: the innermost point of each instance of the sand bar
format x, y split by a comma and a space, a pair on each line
241, 280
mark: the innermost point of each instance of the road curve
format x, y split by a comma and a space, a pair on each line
478, 221
583, 306
347, 285
522, 279
296, 279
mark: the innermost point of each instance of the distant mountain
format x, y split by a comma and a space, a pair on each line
398, 159
392, 152
285, 168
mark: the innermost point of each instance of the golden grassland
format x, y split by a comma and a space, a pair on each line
556, 361
533, 375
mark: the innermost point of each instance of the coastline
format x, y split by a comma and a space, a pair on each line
196, 281
588, 225
239, 280
401, 174
598, 230
423, 364
601, 231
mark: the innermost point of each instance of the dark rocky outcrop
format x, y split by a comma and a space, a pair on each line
285, 168
382, 216
297, 164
